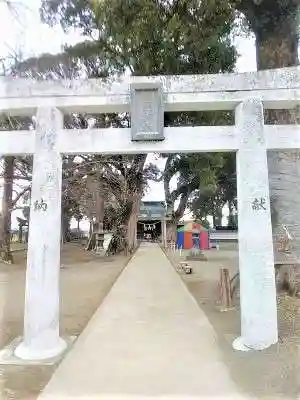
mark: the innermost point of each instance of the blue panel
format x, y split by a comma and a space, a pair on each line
180, 239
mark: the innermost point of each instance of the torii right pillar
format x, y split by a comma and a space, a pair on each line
256, 259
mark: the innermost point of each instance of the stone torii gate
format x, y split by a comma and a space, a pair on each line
147, 98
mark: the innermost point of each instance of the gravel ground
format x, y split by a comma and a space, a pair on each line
85, 281
270, 374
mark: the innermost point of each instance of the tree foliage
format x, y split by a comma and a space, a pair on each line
155, 37
188, 38
212, 198
149, 37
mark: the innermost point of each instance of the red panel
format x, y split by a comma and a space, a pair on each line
204, 242
197, 226
188, 240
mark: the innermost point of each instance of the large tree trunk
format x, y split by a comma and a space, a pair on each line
94, 185
7, 203
127, 217
65, 228
279, 49
275, 25
124, 232
20, 233
177, 214
132, 224
26, 236
172, 230
98, 225
217, 217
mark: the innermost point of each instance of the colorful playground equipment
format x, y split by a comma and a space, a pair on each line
192, 235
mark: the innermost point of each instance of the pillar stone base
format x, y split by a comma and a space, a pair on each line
8, 356
40, 353
239, 345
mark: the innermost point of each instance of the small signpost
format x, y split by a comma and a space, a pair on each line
224, 293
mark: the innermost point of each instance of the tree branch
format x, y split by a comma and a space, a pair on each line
182, 205
14, 202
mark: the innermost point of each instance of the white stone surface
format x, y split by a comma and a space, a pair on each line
203, 101
282, 137
41, 319
17, 142
238, 344
256, 262
282, 78
146, 111
7, 355
118, 141
148, 340
278, 88
177, 139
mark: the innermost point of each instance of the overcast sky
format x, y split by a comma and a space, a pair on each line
25, 32
26, 35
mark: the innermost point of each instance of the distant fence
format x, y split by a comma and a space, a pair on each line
224, 236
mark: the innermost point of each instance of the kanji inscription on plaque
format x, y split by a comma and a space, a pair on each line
147, 113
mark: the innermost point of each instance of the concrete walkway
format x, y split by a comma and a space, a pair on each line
148, 339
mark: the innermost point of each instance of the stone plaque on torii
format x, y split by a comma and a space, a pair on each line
147, 111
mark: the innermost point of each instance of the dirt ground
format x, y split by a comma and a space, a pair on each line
270, 374
85, 281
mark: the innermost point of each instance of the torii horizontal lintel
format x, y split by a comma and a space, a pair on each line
177, 140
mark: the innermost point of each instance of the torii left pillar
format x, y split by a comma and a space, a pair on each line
41, 316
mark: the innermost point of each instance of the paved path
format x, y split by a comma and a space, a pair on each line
148, 339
